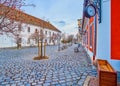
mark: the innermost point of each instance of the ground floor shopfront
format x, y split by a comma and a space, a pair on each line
101, 36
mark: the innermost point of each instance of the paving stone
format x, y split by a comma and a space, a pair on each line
69, 79
20, 83
27, 84
57, 84
39, 85
55, 79
62, 81
80, 83
13, 84
46, 84
48, 80
33, 83
1, 81
74, 78
4, 83
63, 84
69, 83
7, 85
40, 82
83, 77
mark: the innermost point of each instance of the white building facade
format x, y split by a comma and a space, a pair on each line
9, 41
28, 29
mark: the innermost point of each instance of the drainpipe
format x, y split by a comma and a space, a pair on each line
95, 43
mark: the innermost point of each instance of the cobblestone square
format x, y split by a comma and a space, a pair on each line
63, 68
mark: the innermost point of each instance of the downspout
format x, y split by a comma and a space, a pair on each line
95, 43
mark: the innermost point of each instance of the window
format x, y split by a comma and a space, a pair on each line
50, 33
28, 41
46, 32
53, 34
28, 29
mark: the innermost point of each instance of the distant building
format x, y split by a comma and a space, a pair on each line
29, 26
79, 34
79, 23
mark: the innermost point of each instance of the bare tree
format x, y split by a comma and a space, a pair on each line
64, 38
70, 38
17, 36
38, 37
9, 23
9, 13
34, 37
11, 19
67, 39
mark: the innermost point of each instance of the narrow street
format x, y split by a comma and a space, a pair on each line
63, 68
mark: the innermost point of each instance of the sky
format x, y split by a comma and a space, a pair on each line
63, 14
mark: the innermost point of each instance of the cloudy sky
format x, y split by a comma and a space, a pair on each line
63, 14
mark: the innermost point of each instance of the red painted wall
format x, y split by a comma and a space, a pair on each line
91, 25
115, 29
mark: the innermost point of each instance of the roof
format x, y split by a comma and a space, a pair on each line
18, 15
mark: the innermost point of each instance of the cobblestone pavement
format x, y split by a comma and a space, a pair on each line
63, 68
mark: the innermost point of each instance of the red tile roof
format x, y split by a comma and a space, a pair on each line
25, 18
